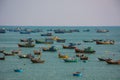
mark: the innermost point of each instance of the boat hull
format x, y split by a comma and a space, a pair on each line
77, 74
104, 43
24, 45
69, 47
18, 70
37, 61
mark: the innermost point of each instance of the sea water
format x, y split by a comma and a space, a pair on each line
55, 68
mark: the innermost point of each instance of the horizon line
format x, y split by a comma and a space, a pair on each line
54, 26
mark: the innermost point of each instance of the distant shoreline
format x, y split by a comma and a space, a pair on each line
1, 26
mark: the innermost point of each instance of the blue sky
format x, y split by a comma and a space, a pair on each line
60, 12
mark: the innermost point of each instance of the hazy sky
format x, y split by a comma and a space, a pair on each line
60, 12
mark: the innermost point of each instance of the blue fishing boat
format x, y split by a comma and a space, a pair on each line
18, 70
77, 74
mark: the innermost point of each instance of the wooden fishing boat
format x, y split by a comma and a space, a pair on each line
26, 45
77, 74
2, 58
83, 58
29, 56
22, 56
37, 52
62, 56
70, 60
105, 42
8, 54
69, 47
51, 49
113, 62
86, 50
104, 59
61, 40
37, 60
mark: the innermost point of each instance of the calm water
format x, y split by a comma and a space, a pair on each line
55, 68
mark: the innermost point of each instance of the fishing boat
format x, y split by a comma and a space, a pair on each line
86, 50
29, 56
26, 40
22, 56
26, 45
88, 41
75, 30
77, 74
113, 62
62, 56
102, 31
68, 47
83, 57
37, 60
104, 59
37, 52
70, 60
97, 40
52, 49
2, 31
8, 54
59, 31
61, 40
78, 55
2, 58
86, 30
18, 70
24, 32
1, 51
47, 34
106, 42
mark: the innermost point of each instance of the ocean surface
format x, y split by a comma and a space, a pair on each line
55, 68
